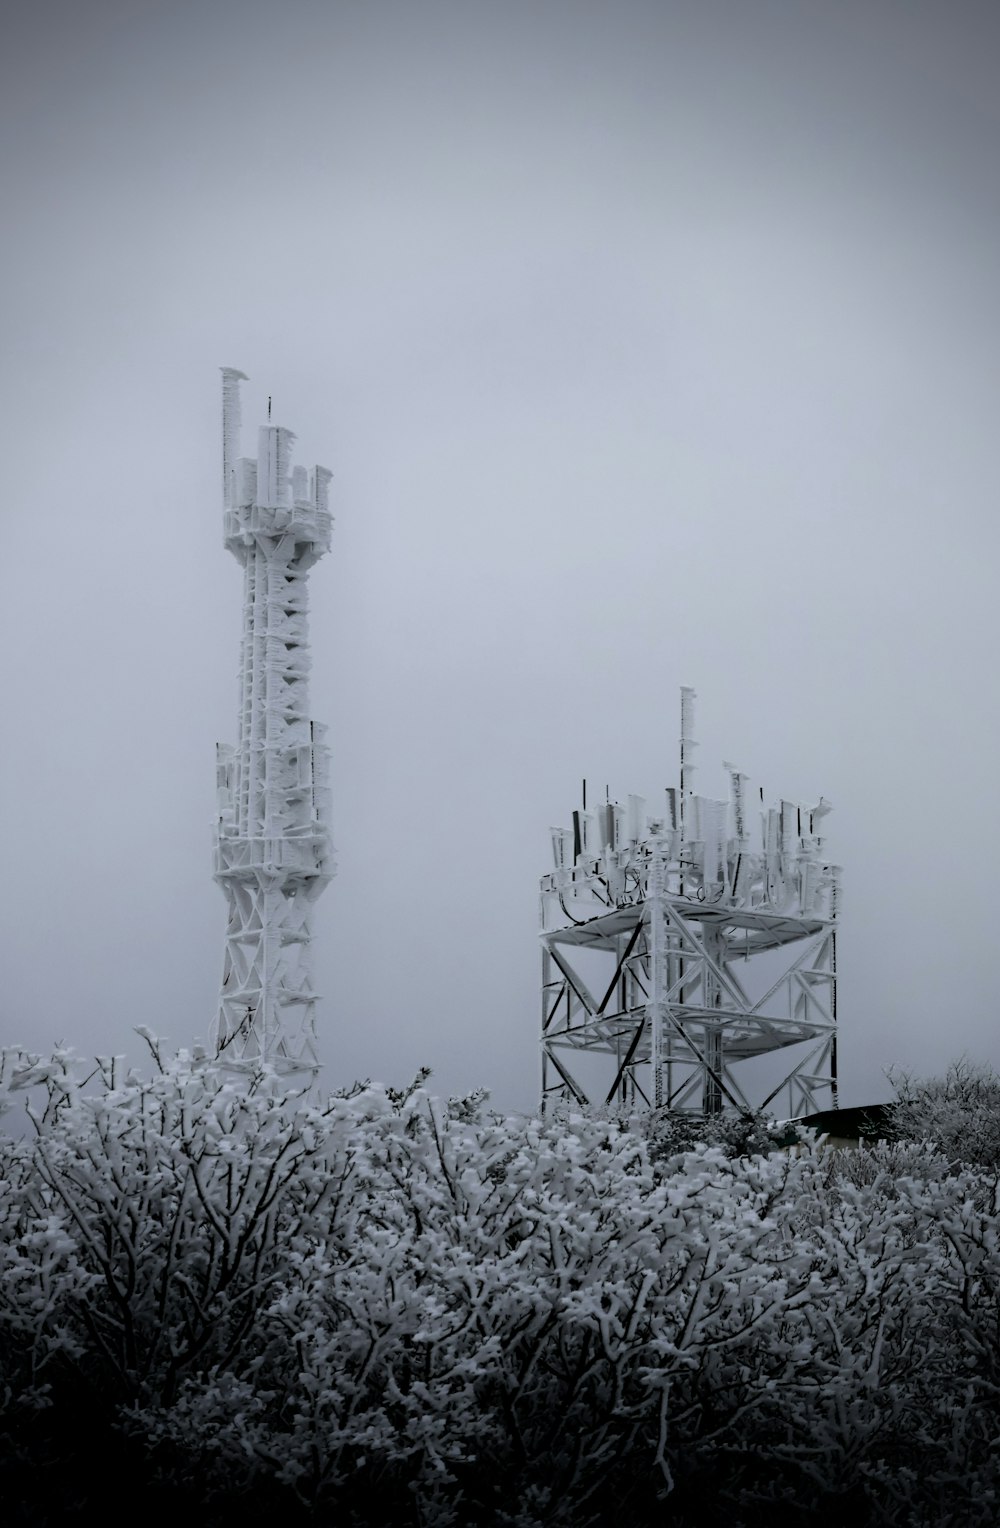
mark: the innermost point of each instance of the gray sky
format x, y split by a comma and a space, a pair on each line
649, 343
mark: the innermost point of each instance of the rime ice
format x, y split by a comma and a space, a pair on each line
272, 844
711, 929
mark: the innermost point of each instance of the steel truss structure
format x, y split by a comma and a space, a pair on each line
272, 843
680, 947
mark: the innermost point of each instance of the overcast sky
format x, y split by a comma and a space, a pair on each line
649, 343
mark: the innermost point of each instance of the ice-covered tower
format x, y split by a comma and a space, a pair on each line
272, 843
689, 954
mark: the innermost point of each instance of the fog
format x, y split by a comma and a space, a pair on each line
649, 344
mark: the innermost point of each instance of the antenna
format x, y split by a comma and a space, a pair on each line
231, 379
687, 746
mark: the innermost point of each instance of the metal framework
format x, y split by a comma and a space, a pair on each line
272, 842
693, 958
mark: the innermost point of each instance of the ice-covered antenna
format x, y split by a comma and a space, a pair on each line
736, 782
688, 746
231, 379
817, 813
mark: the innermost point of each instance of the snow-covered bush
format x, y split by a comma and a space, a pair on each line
396, 1311
959, 1112
671, 1132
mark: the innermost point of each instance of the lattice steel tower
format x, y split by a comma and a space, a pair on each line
689, 956
272, 842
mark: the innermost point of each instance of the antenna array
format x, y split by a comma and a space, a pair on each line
683, 946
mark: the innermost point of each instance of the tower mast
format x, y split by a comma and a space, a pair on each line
272, 842
687, 961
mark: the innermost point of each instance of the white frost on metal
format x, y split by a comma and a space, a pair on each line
715, 923
272, 842
231, 380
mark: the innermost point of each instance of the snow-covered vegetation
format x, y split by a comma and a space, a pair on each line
383, 1310
959, 1112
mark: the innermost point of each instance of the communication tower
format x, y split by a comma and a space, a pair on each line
272, 841
689, 955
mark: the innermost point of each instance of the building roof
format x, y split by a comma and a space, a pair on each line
863, 1122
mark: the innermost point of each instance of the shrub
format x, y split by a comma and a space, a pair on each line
958, 1113
384, 1310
